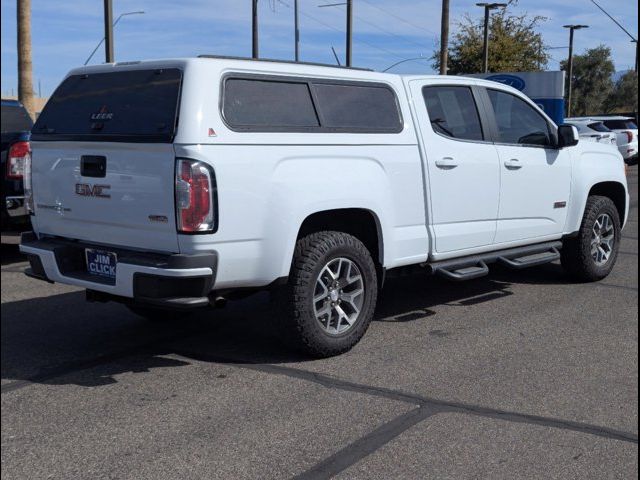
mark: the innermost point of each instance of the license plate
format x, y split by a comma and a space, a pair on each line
101, 263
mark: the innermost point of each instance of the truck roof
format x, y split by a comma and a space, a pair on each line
280, 66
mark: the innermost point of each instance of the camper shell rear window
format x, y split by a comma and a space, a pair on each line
121, 106
259, 103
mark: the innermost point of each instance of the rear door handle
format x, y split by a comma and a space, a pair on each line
446, 163
513, 164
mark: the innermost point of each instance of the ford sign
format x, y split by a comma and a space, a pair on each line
511, 80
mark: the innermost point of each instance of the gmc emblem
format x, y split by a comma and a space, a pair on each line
86, 190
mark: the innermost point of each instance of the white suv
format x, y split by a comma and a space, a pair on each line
166, 185
626, 131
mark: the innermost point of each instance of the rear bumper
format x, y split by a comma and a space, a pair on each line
172, 281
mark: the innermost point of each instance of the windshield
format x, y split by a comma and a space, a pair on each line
133, 105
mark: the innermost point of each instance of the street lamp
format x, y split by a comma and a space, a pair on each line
140, 12
572, 29
349, 5
487, 11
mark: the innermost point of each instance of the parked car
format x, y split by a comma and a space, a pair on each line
594, 132
168, 185
15, 125
626, 130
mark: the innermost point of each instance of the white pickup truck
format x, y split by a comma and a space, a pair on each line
168, 185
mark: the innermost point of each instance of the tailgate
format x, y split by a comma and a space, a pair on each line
103, 163
131, 205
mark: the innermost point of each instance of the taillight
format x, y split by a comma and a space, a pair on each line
195, 197
629, 136
16, 159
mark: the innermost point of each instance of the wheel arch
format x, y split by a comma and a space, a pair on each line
616, 192
362, 223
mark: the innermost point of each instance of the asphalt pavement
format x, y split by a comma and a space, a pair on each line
518, 375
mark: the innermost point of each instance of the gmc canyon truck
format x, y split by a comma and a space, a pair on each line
169, 185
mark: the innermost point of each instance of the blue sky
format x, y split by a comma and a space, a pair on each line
66, 31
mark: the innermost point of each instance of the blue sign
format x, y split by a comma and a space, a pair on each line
544, 88
511, 80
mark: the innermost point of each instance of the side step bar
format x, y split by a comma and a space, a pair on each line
475, 266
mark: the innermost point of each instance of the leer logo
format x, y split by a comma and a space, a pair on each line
102, 114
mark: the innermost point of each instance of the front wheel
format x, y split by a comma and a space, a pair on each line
592, 254
331, 295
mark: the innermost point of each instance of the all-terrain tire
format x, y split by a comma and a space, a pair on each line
296, 316
577, 258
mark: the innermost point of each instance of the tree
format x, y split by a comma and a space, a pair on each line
514, 44
624, 97
25, 67
592, 80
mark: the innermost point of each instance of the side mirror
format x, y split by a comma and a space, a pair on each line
568, 136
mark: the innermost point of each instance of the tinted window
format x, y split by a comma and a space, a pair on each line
369, 108
138, 105
621, 124
453, 112
15, 119
268, 104
518, 122
598, 127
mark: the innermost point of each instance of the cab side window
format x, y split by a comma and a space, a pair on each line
518, 122
453, 112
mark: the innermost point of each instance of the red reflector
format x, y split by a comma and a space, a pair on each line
16, 158
629, 136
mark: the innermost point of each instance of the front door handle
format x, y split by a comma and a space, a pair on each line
446, 163
513, 164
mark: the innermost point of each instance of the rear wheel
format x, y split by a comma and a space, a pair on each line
592, 254
331, 295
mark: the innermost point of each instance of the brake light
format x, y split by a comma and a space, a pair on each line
195, 188
16, 159
629, 136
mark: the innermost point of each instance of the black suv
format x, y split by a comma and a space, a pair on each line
16, 127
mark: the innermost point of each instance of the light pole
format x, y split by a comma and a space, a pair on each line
487, 12
444, 38
109, 48
349, 5
255, 45
297, 29
572, 29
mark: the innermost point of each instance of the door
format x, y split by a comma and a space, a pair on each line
462, 166
535, 176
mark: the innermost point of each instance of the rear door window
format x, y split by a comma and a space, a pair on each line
133, 105
598, 127
453, 112
621, 124
15, 119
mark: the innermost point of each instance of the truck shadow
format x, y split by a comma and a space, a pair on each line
62, 340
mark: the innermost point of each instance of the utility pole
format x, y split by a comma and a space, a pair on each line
25, 65
255, 51
108, 31
297, 29
572, 29
444, 38
636, 67
349, 33
487, 15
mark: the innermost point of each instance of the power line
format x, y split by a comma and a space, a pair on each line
615, 21
387, 32
403, 20
389, 52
